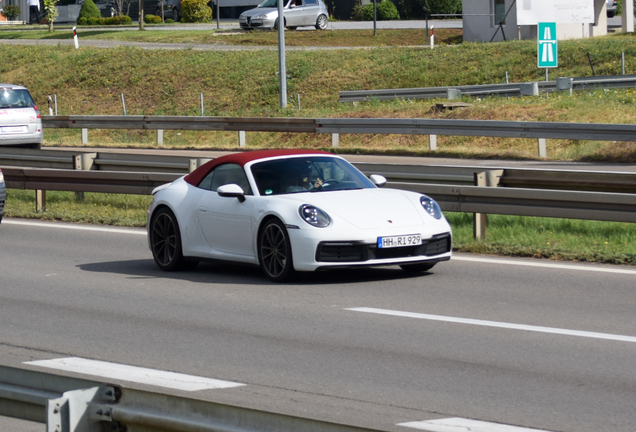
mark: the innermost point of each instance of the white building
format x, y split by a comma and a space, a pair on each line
496, 20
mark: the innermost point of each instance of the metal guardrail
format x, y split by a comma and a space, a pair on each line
489, 128
510, 89
249, 124
134, 183
604, 206
75, 405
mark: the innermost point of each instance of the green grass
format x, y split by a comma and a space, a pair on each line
341, 38
102, 209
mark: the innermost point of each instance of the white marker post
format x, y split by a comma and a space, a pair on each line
432, 38
75, 38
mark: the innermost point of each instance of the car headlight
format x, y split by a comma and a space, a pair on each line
431, 207
260, 17
314, 216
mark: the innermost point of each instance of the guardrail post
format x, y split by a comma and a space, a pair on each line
40, 201
529, 89
83, 162
480, 220
159, 136
84, 136
335, 140
241, 136
81, 411
196, 163
542, 147
432, 142
564, 84
453, 94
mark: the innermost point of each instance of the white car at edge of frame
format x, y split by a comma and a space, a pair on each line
291, 211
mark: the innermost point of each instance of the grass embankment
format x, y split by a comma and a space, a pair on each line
245, 83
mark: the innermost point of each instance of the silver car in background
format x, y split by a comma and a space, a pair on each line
297, 13
3, 195
20, 120
612, 6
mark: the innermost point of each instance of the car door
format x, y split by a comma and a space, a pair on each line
311, 10
294, 13
227, 223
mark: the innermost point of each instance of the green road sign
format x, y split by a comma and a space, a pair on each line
547, 46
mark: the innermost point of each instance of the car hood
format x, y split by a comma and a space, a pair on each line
259, 11
368, 208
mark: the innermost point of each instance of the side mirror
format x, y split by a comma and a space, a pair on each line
231, 191
378, 180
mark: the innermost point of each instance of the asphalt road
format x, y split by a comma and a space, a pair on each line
518, 342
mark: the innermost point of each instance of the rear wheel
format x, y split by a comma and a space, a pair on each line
175, 14
274, 251
293, 28
416, 268
321, 22
165, 242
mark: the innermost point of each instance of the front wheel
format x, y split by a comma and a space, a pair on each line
321, 22
165, 242
276, 23
416, 268
274, 251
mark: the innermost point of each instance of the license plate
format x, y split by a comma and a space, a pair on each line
399, 241
13, 129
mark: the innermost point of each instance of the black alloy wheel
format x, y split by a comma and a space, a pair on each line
165, 242
274, 251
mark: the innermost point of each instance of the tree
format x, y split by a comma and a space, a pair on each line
385, 10
50, 12
89, 10
120, 5
196, 11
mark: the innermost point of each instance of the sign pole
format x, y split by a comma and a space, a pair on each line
281, 57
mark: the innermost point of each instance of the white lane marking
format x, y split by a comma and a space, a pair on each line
457, 424
498, 324
76, 227
135, 374
529, 263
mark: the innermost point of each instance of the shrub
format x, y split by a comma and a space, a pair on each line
116, 20
386, 11
152, 19
11, 12
88, 11
169, 21
196, 11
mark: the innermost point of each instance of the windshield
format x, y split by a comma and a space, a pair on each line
307, 174
10, 98
271, 4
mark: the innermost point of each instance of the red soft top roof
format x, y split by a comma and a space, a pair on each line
195, 177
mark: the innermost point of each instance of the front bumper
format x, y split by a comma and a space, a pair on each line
311, 254
252, 24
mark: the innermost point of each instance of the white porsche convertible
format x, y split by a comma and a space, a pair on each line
293, 211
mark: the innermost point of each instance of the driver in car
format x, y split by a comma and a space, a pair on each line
300, 181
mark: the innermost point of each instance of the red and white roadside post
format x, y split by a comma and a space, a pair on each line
75, 38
